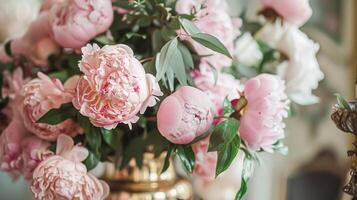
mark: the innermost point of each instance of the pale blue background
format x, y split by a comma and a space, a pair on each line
13, 190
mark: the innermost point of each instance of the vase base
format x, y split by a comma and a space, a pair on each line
182, 189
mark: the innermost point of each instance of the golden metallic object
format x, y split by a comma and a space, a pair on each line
146, 183
345, 120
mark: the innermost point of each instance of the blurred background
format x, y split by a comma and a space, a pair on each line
317, 162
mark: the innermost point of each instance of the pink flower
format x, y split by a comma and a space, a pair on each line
75, 22
187, 6
225, 186
114, 87
214, 20
206, 162
37, 43
294, 11
184, 115
12, 86
261, 124
34, 151
10, 146
225, 86
64, 177
40, 96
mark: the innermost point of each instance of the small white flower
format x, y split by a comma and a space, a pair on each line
247, 50
301, 71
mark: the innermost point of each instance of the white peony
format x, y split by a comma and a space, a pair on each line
247, 50
301, 71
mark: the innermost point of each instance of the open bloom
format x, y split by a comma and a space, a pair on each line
301, 71
225, 86
10, 146
114, 87
63, 176
184, 115
75, 22
12, 86
14, 131
261, 123
294, 11
34, 151
40, 96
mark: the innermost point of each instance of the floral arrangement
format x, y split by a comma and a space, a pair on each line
102, 80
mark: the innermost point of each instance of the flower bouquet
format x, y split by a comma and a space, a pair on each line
107, 81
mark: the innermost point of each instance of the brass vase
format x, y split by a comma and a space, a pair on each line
146, 183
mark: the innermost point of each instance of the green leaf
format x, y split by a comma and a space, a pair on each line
91, 161
187, 157
242, 191
170, 78
104, 40
109, 137
59, 115
202, 136
92, 135
61, 75
227, 155
342, 103
189, 26
211, 42
166, 58
186, 55
293, 110
135, 35
223, 134
227, 107
7, 48
178, 68
157, 40
123, 4
134, 149
280, 148
170, 151
171, 63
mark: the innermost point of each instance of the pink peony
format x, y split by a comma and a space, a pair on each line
64, 177
12, 86
114, 87
225, 86
34, 151
294, 11
184, 115
37, 43
261, 124
187, 6
40, 96
206, 162
226, 185
10, 146
75, 22
214, 20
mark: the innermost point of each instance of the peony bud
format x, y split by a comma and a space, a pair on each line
184, 115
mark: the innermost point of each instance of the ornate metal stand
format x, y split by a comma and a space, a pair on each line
346, 120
